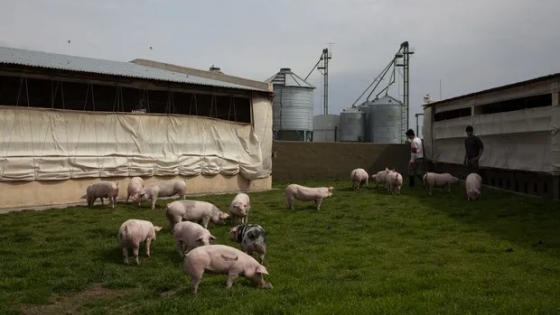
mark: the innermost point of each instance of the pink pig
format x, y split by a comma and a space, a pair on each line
222, 259
380, 177
133, 232
473, 183
443, 180
135, 187
359, 178
194, 211
239, 207
317, 194
189, 235
102, 189
166, 188
394, 182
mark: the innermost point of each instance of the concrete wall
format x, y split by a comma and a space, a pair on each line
327, 160
48, 194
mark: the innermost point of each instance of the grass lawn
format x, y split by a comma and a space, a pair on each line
365, 252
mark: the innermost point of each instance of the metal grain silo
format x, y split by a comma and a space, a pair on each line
352, 125
384, 120
326, 128
292, 106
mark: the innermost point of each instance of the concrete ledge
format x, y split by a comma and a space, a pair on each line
50, 194
120, 200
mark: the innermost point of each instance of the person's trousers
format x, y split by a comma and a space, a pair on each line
415, 169
472, 166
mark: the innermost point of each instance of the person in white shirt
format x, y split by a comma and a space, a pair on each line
416, 158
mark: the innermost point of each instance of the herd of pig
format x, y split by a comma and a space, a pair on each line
393, 181
188, 221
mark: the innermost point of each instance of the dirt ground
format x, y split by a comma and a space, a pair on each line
71, 304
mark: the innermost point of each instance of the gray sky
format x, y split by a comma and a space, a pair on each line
469, 45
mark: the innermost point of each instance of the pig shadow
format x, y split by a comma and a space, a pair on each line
114, 255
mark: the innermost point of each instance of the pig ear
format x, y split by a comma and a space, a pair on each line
212, 238
261, 269
157, 228
199, 239
331, 188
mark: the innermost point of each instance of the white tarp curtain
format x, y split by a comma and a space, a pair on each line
45, 145
518, 140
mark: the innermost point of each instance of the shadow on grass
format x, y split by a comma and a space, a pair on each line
528, 222
114, 255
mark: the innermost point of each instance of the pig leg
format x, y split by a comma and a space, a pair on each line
114, 201
125, 255
195, 280
449, 188
174, 221
135, 248
148, 243
231, 277
430, 189
127, 196
205, 222
154, 199
102, 203
318, 202
180, 249
290, 201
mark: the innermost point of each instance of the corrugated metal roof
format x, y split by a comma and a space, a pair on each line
39, 59
503, 87
286, 77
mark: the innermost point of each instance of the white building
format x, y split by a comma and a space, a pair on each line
67, 122
518, 124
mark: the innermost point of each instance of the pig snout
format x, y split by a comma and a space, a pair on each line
241, 209
206, 240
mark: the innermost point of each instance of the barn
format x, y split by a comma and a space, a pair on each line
67, 122
518, 124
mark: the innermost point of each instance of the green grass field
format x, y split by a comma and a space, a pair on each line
365, 252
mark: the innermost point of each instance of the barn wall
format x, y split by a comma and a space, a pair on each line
519, 140
525, 140
48, 157
328, 160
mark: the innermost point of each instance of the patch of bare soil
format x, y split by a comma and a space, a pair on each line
70, 304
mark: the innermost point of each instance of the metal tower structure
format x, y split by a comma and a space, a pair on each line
324, 69
403, 54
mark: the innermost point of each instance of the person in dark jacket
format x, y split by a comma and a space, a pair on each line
473, 150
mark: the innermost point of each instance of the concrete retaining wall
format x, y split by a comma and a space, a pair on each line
335, 160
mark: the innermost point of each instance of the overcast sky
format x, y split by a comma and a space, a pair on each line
468, 45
